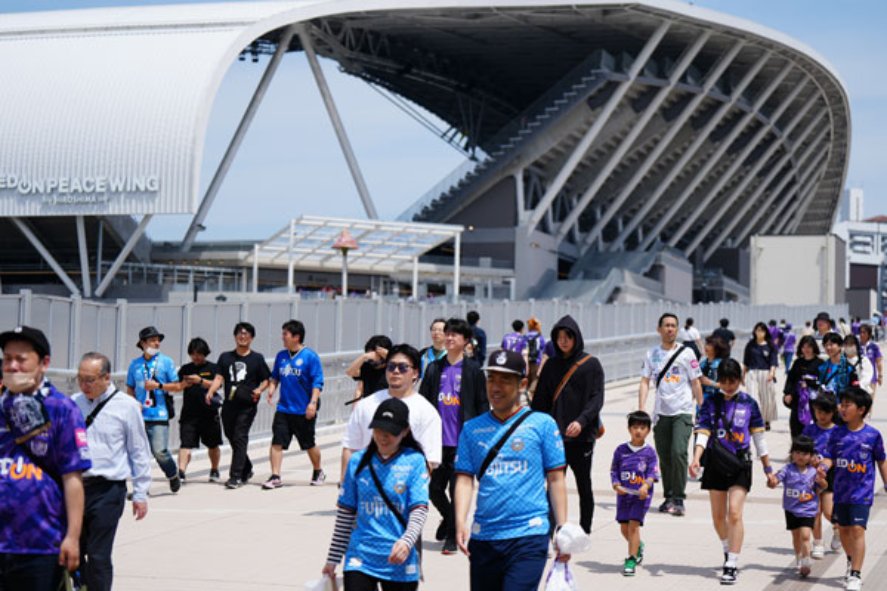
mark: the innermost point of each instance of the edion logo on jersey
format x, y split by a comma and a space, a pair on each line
851, 466
802, 495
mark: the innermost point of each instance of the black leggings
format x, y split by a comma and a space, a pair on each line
579, 456
358, 581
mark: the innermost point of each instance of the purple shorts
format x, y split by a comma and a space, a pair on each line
631, 508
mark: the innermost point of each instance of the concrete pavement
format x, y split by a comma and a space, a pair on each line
209, 538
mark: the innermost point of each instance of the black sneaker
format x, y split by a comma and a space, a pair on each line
677, 508
318, 477
234, 483
441, 534
182, 477
666, 506
175, 484
214, 476
248, 477
729, 576
449, 547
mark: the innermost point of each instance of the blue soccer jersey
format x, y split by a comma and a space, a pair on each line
512, 500
159, 368
855, 455
297, 375
404, 477
32, 503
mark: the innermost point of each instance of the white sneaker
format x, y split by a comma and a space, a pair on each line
804, 567
835, 543
818, 552
854, 583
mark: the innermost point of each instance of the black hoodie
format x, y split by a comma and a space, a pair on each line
582, 397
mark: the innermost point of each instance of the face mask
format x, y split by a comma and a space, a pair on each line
20, 381
151, 351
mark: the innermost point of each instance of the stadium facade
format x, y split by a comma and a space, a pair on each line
615, 151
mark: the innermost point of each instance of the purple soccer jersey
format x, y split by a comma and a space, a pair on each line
32, 504
855, 455
449, 403
873, 352
799, 490
514, 341
741, 414
631, 468
819, 436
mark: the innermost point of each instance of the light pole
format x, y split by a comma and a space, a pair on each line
345, 242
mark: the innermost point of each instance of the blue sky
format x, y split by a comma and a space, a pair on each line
290, 162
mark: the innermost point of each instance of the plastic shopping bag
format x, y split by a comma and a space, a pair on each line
325, 584
560, 578
572, 539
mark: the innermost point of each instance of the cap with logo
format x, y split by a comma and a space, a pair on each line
393, 416
147, 333
29, 335
505, 361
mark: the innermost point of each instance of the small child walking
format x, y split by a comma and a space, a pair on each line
801, 485
825, 406
634, 469
855, 449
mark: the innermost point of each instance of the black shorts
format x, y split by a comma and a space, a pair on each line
206, 429
793, 521
287, 426
712, 480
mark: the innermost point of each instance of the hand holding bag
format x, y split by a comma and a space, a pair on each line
560, 578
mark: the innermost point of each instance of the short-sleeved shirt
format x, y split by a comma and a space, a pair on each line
297, 374
835, 377
799, 490
404, 477
674, 395
32, 502
449, 403
531, 338
159, 368
819, 435
424, 424
788, 343
248, 370
194, 404
514, 341
760, 356
738, 419
873, 352
709, 368
855, 455
631, 468
726, 334
373, 378
511, 498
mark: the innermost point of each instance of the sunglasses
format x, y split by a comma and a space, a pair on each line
399, 367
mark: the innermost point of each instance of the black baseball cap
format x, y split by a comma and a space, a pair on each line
148, 332
505, 361
29, 335
393, 416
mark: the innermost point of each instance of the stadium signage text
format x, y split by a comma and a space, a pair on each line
87, 189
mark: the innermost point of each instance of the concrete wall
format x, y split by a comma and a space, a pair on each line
797, 270
862, 302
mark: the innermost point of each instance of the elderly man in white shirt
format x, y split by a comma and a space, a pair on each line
115, 431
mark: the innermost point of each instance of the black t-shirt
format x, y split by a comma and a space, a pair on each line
724, 333
799, 369
194, 397
248, 371
373, 378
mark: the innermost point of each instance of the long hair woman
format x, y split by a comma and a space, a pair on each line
807, 364
759, 365
382, 508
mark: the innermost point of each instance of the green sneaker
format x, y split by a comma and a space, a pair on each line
630, 566
640, 558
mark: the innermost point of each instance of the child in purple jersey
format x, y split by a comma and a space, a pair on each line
727, 424
801, 482
825, 406
634, 469
854, 448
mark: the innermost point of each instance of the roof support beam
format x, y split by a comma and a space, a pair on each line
805, 195
50, 260
236, 140
333, 112
124, 253
801, 207
587, 140
729, 202
677, 205
84, 257
737, 216
775, 223
687, 157
616, 157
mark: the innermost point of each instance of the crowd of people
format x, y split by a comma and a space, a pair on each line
449, 426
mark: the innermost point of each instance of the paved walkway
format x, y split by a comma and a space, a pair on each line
210, 538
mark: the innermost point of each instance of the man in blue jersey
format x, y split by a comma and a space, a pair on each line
151, 379
43, 454
298, 372
508, 544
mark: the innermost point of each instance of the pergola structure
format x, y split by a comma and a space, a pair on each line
383, 247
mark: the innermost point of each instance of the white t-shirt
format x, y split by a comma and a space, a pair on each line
424, 423
688, 334
865, 371
674, 396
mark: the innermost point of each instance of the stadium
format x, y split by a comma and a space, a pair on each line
615, 152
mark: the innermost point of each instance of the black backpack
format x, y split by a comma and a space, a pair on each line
533, 348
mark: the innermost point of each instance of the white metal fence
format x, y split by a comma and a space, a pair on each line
617, 333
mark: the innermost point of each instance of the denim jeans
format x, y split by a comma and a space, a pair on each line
158, 437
